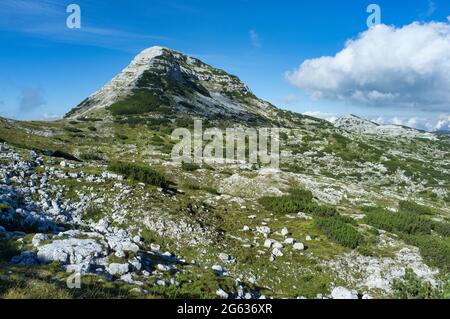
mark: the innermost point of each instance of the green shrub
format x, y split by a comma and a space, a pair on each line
8, 249
190, 167
72, 129
412, 207
92, 128
339, 231
434, 251
121, 136
91, 157
297, 200
400, 222
442, 229
4, 207
141, 101
411, 287
139, 173
93, 212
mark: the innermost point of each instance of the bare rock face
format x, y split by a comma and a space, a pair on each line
71, 251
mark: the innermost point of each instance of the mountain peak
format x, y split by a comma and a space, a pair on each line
356, 124
176, 80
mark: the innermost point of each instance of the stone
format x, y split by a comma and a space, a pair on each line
299, 246
246, 228
155, 247
118, 269
217, 269
343, 293
268, 243
162, 267
221, 293
136, 264
308, 238
38, 238
265, 230
277, 253
284, 231
70, 251
277, 245
161, 283
289, 241
224, 257
137, 239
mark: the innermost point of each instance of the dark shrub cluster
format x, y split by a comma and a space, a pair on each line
412, 207
297, 200
142, 101
434, 251
190, 167
139, 173
340, 231
400, 222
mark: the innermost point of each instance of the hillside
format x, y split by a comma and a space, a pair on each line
355, 210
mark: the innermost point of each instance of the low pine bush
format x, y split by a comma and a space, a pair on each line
139, 173
400, 222
340, 231
412, 207
296, 201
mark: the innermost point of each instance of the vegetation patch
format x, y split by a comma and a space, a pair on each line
298, 200
339, 231
142, 101
140, 173
412, 207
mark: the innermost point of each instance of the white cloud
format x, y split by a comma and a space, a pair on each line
322, 115
52, 116
254, 38
384, 66
441, 122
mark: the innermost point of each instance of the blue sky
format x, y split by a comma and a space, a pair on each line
46, 68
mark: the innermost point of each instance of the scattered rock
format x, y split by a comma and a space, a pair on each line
118, 269
299, 246
343, 293
221, 293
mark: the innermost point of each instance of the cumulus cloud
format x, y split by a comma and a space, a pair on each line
385, 66
438, 123
30, 99
52, 116
254, 38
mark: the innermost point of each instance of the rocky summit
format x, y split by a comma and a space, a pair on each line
93, 206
